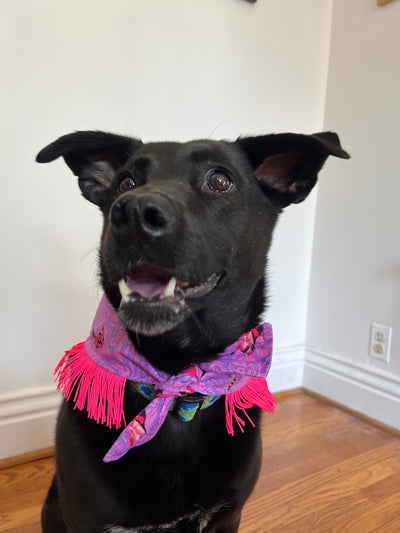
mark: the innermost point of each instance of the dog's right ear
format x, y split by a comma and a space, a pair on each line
93, 156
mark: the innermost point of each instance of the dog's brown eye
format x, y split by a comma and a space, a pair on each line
218, 181
127, 184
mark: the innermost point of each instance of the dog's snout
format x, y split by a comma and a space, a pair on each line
149, 216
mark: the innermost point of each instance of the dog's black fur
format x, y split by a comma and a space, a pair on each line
204, 212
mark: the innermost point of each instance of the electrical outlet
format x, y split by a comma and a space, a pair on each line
379, 342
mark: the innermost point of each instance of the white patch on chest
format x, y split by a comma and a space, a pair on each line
201, 516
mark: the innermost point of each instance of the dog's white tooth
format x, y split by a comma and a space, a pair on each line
124, 290
170, 288
126, 299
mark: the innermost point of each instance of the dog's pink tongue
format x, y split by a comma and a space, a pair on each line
147, 282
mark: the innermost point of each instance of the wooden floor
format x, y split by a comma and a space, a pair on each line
323, 470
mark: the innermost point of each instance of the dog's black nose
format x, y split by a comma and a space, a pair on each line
152, 215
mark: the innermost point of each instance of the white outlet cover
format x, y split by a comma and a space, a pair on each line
380, 337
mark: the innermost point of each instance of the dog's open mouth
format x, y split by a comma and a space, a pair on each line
152, 285
153, 301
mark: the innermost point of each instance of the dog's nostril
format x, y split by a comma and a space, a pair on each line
154, 217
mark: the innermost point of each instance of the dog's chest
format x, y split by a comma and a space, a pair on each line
196, 521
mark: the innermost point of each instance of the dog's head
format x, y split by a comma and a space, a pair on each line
187, 226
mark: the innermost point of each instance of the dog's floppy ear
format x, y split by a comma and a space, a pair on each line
287, 164
93, 156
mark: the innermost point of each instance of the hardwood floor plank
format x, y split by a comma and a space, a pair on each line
322, 489
22, 492
381, 489
350, 510
375, 518
338, 512
25, 521
389, 527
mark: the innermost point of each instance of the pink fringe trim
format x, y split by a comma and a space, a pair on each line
100, 390
255, 392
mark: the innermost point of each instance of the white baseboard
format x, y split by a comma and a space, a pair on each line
27, 417
364, 389
27, 420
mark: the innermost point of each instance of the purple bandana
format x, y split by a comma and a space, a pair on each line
95, 372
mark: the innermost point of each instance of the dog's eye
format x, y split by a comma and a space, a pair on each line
127, 184
219, 181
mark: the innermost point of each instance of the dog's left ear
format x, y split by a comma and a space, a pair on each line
93, 156
287, 164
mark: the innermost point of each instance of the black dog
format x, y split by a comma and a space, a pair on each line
197, 217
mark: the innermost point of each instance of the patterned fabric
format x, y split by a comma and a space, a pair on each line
95, 373
187, 410
183, 410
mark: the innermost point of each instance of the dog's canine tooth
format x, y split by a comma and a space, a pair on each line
170, 288
124, 290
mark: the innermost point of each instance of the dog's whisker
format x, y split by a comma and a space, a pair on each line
215, 129
92, 250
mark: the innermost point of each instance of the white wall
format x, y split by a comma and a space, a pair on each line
158, 70
355, 278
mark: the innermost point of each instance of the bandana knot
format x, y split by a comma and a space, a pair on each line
95, 372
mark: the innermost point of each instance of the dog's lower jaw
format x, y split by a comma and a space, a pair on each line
139, 318
153, 323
